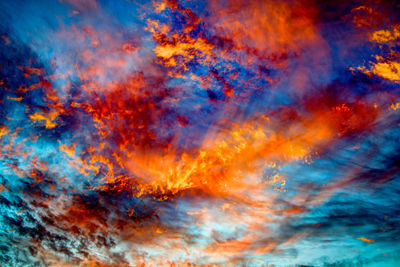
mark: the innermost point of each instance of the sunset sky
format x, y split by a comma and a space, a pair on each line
199, 133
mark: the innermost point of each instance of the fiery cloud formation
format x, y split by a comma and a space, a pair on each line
199, 133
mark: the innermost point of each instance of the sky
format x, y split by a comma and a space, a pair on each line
199, 133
